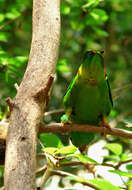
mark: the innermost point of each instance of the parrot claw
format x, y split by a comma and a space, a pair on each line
66, 123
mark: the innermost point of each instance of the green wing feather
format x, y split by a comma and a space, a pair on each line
68, 98
110, 95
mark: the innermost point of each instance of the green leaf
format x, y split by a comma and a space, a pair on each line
83, 159
129, 185
50, 140
90, 4
2, 17
129, 167
62, 66
67, 150
3, 54
122, 173
96, 17
99, 15
115, 148
103, 184
125, 157
13, 14
4, 36
50, 150
65, 10
18, 60
100, 32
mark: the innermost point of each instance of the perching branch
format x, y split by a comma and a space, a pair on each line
60, 128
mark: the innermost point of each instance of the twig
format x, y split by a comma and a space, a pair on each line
54, 112
9, 22
41, 169
121, 163
60, 128
66, 174
122, 87
78, 163
16, 86
46, 176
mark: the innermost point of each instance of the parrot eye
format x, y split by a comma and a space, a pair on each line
102, 52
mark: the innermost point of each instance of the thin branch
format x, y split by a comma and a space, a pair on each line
7, 23
54, 112
16, 86
122, 162
78, 163
60, 128
122, 87
46, 176
43, 168
66, 174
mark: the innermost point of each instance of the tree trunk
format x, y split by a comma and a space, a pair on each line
28, 107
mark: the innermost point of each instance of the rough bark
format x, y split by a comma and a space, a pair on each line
28, 106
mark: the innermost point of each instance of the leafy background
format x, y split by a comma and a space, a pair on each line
86, 25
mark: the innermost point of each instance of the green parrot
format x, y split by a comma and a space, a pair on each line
88, 98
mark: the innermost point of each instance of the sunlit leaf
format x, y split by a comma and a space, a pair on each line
125, 157
83, 158
96, 17
67, 150
103, 184
13, 14
4, 36
65, 9
90, 4
122, 173
2, 17
50, 150
115, 148
62, 66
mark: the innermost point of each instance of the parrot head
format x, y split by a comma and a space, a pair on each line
92, 68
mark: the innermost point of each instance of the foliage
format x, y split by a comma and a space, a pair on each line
86, 25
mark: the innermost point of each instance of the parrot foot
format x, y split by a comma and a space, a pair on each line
66, 123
